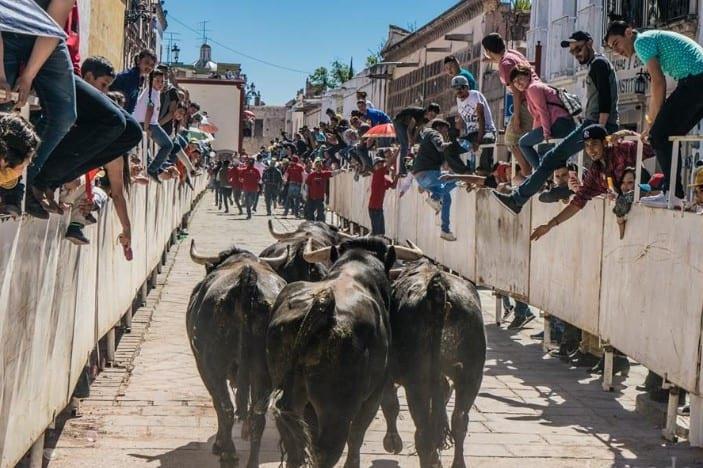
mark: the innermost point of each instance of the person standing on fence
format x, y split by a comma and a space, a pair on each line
380, 182
250, 178
601, 108
478, 121
408, 124
665, 53
521, 120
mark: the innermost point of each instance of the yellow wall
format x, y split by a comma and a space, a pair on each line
106, 36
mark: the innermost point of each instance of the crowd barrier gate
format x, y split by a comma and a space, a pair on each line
57, 300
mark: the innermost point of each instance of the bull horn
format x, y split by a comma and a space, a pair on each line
275, 262
278, 235
316, 256
412, 253
201, 259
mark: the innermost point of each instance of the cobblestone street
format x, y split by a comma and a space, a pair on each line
533, 411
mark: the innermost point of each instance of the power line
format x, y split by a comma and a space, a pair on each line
265, 62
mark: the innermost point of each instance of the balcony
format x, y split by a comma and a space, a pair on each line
590, 19
560, 62
651, 13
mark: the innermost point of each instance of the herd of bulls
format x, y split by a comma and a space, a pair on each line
321, 327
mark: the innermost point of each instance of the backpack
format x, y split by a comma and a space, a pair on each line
569, 102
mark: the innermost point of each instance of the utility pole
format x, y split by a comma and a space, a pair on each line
203, 27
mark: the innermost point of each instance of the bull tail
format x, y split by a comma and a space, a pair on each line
292, 426
438, 303
247, 292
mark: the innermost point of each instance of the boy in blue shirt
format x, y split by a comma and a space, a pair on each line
665, 53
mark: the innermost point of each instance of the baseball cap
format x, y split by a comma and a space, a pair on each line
595, 131
459, 82
578, 36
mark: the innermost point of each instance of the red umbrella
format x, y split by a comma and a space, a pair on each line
249, 115
381, 131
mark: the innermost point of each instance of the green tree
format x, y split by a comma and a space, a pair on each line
339, 73
321, 80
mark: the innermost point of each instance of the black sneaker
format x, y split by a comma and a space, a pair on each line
507, 201
75, 234
90, 219
34, 208
520, 321
581, 359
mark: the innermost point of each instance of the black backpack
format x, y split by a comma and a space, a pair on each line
569, 102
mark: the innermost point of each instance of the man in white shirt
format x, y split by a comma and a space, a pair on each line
478, 121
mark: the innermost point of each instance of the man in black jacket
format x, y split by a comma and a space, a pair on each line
426, 170
272, 180
408, 124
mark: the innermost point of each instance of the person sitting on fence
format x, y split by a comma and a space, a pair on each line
18, 145
147, 114
474, 110
426, 170
665, 53
606, 172
372, 115
75, 194
550, 118
130, 82
380, 182
601, 108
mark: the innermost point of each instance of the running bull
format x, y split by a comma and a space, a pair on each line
328, 347
295, 268
227, 319
438, 334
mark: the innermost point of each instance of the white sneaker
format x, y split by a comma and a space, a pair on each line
448, 236
660, 201
435, 204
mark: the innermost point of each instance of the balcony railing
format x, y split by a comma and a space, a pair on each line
590, 19
560, 62
650, 13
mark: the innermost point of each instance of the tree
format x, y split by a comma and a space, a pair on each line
339, 73
321, 80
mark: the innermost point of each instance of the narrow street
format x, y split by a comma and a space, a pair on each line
532, 410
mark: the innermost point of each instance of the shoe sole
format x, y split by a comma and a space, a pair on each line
501, 203
77, 241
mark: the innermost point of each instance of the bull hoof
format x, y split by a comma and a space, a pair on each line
229, 459
392, 443
352, 462
246, 429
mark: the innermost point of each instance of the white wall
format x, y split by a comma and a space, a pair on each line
222, 102
84, 7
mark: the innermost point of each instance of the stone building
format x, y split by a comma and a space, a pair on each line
144, 26
268, 123
102, 29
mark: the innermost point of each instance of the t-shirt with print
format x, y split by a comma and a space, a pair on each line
467, 111
678, 55
143, 103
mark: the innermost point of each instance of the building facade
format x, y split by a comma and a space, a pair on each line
268, 123
144, 26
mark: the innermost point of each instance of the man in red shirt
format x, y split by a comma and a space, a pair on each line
380, 182
317, 188
234, 176
609, 162
250, 178
294, 176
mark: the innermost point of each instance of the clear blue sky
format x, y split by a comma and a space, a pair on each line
301, 35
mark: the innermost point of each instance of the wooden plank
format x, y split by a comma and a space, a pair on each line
461, 255
502, 246
565, 266
650, 306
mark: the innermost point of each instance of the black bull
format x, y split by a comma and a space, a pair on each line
227, 319
295, 268
328, 350
438, 333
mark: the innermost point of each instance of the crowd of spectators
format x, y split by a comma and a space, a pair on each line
81, 147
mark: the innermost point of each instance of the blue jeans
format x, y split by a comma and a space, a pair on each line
179, 144
165, 145
249, 199
429, 180
55, 86
378, 223
561, 128
553, 159
292, 199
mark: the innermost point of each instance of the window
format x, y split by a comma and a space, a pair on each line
258, 128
